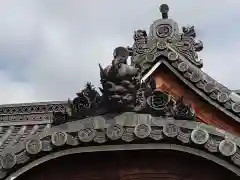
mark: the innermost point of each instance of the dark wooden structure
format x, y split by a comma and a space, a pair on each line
160, 118
130, 165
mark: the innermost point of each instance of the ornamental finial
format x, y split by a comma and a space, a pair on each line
164, 10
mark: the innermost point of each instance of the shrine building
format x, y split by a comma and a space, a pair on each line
160, 117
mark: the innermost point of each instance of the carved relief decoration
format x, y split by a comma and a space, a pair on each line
119, 129
127, 109
178, 51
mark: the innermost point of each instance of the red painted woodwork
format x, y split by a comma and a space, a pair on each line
129, 165
206, 113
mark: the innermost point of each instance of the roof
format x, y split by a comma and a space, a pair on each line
127, 131
165, 44
129, 113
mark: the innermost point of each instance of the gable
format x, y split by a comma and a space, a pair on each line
165, 44
167, 81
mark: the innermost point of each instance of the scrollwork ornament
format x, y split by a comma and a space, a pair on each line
214, 94
22, 157
59, 138
236, 158
228, 105
171, 130
140, 100
200, 84
156, 134
46, 145
227, 147
34, 146
127, 136
209, 87
184, 137
199, 136
189, 31
212, 145
8, 161
142, 130
72, 141
100, 137
114, 132
187, 75
181, 111
81, 103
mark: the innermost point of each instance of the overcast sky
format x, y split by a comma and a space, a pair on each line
50, 48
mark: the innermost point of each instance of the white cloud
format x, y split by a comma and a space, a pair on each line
55, 46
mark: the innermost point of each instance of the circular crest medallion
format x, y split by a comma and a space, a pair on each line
59, 138
172, 56
150, 57
171, 130
163, 30
183, 66
196, 76
161, 45
142, 130
236, 107
114, 132
8, 161
199, 136
86, 135
34, 146
227, 148
222, 97
158, 101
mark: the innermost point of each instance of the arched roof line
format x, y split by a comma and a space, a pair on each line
129, 147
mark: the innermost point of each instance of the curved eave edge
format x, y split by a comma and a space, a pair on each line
130, 147
123, 129
201, 93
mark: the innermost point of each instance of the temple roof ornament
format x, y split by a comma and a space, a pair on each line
128, 108
165, 41
127, 128
166, 45
164, 10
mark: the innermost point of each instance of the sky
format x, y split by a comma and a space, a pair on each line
49, 49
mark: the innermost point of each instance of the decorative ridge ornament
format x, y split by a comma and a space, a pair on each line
123, 91
165, 44
166, 32
164, 10
128, 110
